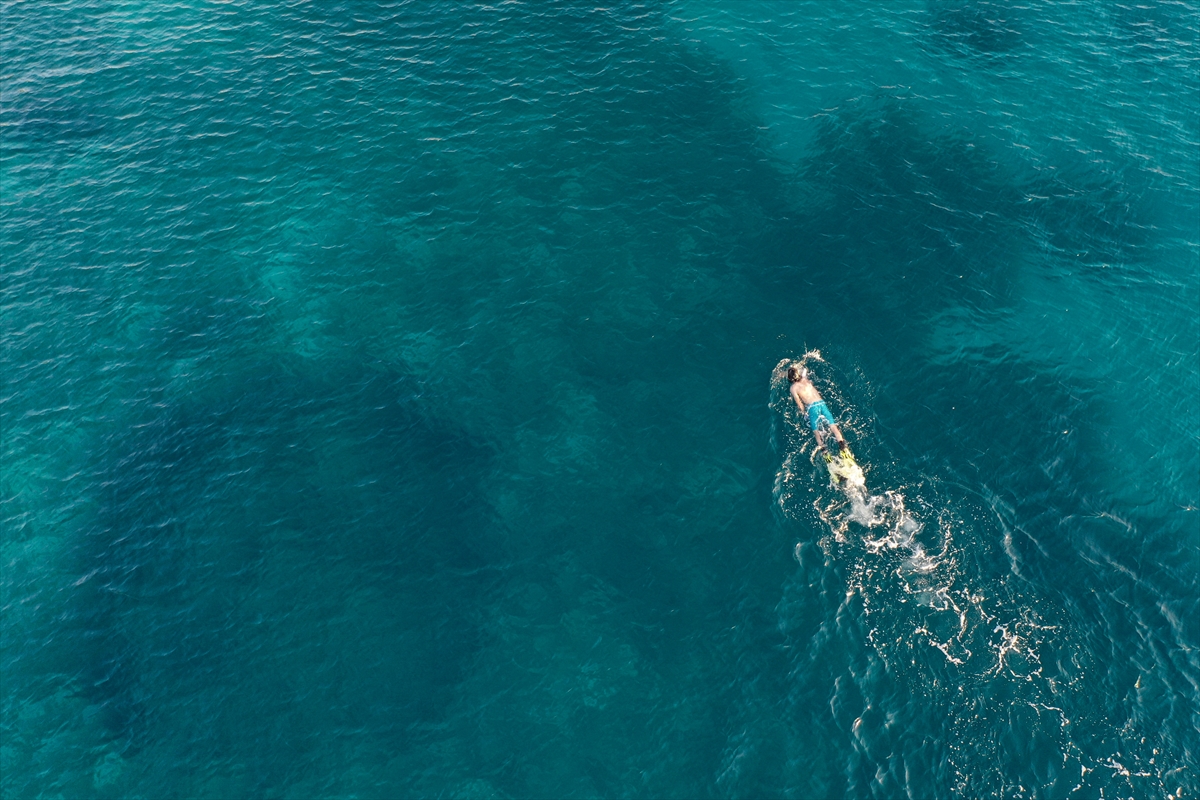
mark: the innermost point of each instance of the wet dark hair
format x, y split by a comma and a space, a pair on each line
796, 373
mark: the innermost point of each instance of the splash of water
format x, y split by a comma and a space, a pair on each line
903, 552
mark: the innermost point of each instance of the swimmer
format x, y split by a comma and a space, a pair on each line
820, 418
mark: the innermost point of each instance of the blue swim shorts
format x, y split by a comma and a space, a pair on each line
819, 411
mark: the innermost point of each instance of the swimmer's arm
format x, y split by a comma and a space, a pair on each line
795, 392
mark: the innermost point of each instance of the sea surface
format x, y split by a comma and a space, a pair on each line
393, 399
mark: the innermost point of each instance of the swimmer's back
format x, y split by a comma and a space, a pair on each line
804, 393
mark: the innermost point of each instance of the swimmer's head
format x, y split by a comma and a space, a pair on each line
797, 372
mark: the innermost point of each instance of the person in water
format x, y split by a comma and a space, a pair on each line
820, 418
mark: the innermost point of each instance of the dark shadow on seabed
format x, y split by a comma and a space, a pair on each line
323, 532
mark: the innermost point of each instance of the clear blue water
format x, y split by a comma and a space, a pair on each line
391, 405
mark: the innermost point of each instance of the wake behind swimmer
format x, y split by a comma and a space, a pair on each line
892, 564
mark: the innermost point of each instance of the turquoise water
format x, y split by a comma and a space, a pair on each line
391, 401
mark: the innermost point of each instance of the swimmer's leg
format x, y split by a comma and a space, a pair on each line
841, 440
